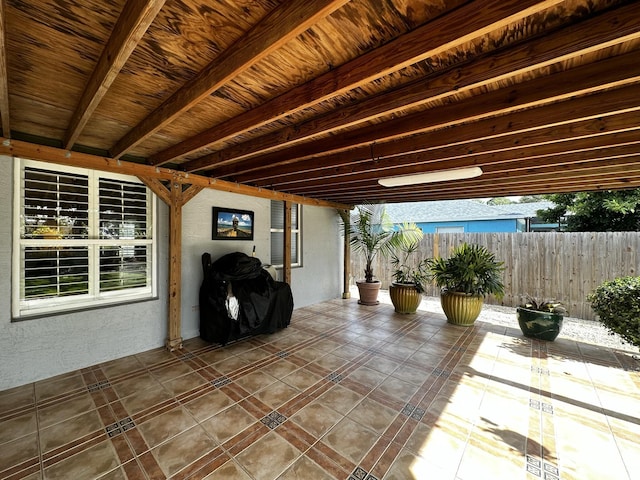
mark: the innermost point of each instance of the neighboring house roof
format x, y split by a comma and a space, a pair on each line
524, 210
460, 210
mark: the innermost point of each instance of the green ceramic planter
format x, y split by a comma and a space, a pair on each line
539, 325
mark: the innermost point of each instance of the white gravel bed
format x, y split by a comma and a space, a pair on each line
588, 331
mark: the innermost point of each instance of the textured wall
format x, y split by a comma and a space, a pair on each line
319, 278
196, 240
39, 348
31, 350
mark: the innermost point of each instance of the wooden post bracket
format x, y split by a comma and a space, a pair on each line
175, 196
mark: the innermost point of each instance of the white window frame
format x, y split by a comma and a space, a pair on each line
297, 262
24, 308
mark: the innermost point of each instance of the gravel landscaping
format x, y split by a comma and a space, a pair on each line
587, 331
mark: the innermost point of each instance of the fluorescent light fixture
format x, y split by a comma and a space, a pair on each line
430, 177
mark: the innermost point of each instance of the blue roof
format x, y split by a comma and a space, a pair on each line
459, 210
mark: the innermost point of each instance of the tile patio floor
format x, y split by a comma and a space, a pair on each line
346, 392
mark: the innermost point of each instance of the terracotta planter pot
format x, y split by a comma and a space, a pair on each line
405, 297
539, 325
461, 308
368, 292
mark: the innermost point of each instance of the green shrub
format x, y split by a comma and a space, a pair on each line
617, 303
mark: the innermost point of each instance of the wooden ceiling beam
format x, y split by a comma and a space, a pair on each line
482, 157
532, 190
490, 178
500, 133
538, 189
581, 81
84, 160
132, 23
557, 184
282, 24
4, 82
455, 28
549, 141
614, 166
547, 124
599, 32
504, 164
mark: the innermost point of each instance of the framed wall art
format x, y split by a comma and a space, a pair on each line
232, 224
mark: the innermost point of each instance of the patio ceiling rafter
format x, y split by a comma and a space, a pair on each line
504, 162
551, 124
284, 23
558, 184
319, 99
500, 150
463, 24
602, 164
4, 86
131, 26
604, 31
524, 97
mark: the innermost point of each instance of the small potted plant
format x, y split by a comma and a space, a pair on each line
372, 232
540, 319
465, 278
409, 278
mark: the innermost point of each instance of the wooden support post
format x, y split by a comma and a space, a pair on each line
286, 255
175, 197
174, 335
346, 292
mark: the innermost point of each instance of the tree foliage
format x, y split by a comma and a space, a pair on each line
531, 199
602, 211
509, 201
499, 201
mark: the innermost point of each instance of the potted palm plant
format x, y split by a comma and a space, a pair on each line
409, 278
371, 232
465, 278
540, 319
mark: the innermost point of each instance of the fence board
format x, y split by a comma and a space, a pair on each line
565, 266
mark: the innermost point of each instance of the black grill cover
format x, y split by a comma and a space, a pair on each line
265, 304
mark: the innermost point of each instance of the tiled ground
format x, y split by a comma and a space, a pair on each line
346, 392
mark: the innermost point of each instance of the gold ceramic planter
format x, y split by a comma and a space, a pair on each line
461, 308
405, 297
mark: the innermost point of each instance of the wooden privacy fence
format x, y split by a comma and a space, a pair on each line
565, 266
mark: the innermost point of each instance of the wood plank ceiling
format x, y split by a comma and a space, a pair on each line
322, 98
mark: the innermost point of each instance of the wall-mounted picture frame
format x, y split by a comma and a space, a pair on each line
232, 224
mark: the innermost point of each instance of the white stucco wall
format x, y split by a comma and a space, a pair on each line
319, 278
35, 349
196, 240
39, 348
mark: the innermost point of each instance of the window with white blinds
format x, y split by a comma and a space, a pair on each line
84, 239
277, 234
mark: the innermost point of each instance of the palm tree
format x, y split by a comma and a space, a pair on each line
372, 232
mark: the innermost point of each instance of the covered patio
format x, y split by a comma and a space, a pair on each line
345, 392
215, 103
